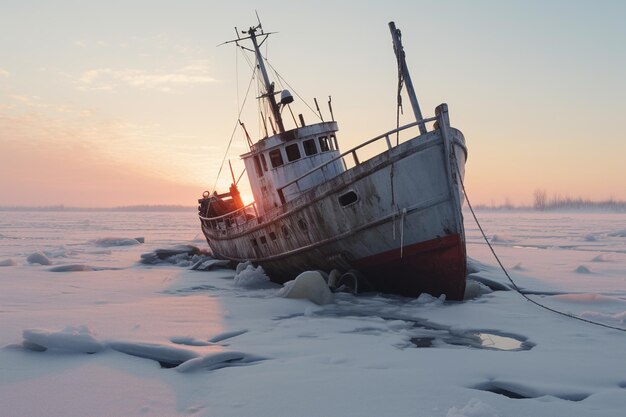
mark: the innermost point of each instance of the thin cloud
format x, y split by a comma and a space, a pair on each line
110, 79
4, 73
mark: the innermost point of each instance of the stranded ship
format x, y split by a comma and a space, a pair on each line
395, 216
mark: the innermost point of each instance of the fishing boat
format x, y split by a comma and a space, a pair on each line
394, 215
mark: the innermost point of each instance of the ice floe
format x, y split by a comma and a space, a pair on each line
603, 257
218, 360
309, 285
583, 269
502, 238
189, 341
38, 258
179, 255
72, 268
8, 262
116, 241
82, 339
166, 355
475, 289
75, 339
247, 276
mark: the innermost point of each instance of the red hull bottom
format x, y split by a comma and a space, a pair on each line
435, 267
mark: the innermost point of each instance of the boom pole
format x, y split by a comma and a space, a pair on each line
404, 70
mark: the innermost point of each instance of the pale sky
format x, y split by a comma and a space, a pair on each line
131, 102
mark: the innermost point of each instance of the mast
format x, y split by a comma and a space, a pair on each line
269, 87
404, 70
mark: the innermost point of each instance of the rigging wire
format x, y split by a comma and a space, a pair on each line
233, 133
280, 77
260, 110
516, 288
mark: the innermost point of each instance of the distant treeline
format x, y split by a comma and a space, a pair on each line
542, 202
61, 207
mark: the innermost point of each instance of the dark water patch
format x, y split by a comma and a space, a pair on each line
428, 334
227, 335
79, 268
423, 342
501, 391
195, 289
518, 391
489, 340
168, 365
71, 268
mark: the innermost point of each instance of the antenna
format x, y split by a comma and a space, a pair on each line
318, 109
259, 20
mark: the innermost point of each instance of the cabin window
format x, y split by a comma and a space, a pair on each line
285, 230
309, 147
324, 147
273, 236
302, 225
276, 158
263, 162
263, 240
293, 152
348, 198
257, 166
254, 242
333, 142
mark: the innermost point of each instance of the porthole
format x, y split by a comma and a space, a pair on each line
254, 242
348, 198
285, 231
263, 240
273, 236
302, 225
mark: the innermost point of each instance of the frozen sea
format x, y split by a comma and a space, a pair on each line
88, 330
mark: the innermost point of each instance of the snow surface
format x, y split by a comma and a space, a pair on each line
126, 338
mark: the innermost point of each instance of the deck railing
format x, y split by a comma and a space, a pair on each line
350, 153
248, 215
234, 219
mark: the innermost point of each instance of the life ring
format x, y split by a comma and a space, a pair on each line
206, 194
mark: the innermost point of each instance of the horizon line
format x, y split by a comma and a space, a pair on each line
134, 207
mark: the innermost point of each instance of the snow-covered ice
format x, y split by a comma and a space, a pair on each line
149, 336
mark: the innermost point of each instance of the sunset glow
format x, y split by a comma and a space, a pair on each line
109, 104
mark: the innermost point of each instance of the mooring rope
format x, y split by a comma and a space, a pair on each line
517, 289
